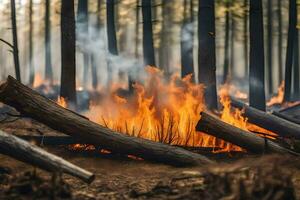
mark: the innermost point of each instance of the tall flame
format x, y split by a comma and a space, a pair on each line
278, 99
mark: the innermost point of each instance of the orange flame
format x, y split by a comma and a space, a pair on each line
62, 102
278, 99
38, 80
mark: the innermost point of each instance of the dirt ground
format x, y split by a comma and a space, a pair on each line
252, 177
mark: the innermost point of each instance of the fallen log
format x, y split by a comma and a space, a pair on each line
32, 104
21, 150
286, 117
249, 141
268, 121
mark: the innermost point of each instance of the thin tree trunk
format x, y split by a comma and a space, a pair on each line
148, 48
270, 46
207, 51
257, 77
31, 65
296, 63
49, 72
68, 72
290, 49
245, 38
93, 56
15, 39
279, 18
187, 42
226, 46
232, 49
83, 35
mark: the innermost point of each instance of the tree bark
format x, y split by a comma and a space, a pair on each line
31, 65
257, 72
270, 122
15, 39
21, 150
296, 67
245, 38
207, 51
286, 117
249, 141
270, 46
290, 49
48, 71
279, 18
187, 42
148, 48
83, 35
68, 65
226, 46
31, 104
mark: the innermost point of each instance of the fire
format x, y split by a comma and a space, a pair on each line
164, 111
278, 99
62, 102
38, 80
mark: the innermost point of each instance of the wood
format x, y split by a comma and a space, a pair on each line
249, 141
286, 117
268, 121
21, 150
32, 104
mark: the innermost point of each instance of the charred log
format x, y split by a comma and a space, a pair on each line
21, 150
249, 141
32, 104
268, 121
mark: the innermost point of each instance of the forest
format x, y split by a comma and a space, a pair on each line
149, 99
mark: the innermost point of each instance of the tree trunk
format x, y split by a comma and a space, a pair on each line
148, 48
270, 46
32, 104
226, 46
31, 65
207, 51
296, 66
48, 71
245, 38
21, 150
290, 49
83, 35
187, 42
68, 72
249, 141
257, 72
232, 46
15, 39
267, 121
279, 18
111, 29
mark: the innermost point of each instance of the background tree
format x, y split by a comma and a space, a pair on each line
279, 19
270, 46
245, 37
83, 34
257, 68
68, 65
15, 39
207, 51
148, 49
187, 40
290, 49
226, 40
48, 71
31, 66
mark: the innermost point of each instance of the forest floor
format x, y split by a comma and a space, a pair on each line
252, 177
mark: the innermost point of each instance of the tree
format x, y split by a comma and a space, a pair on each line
15, 39
290, 49
296, 65
48, 71
31, 66
257, 72
93, 56
68, 65
207, 51
148, 48
270, 46
83, 34
245, 37
187, 41
279, 19
226, 46
111, 28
